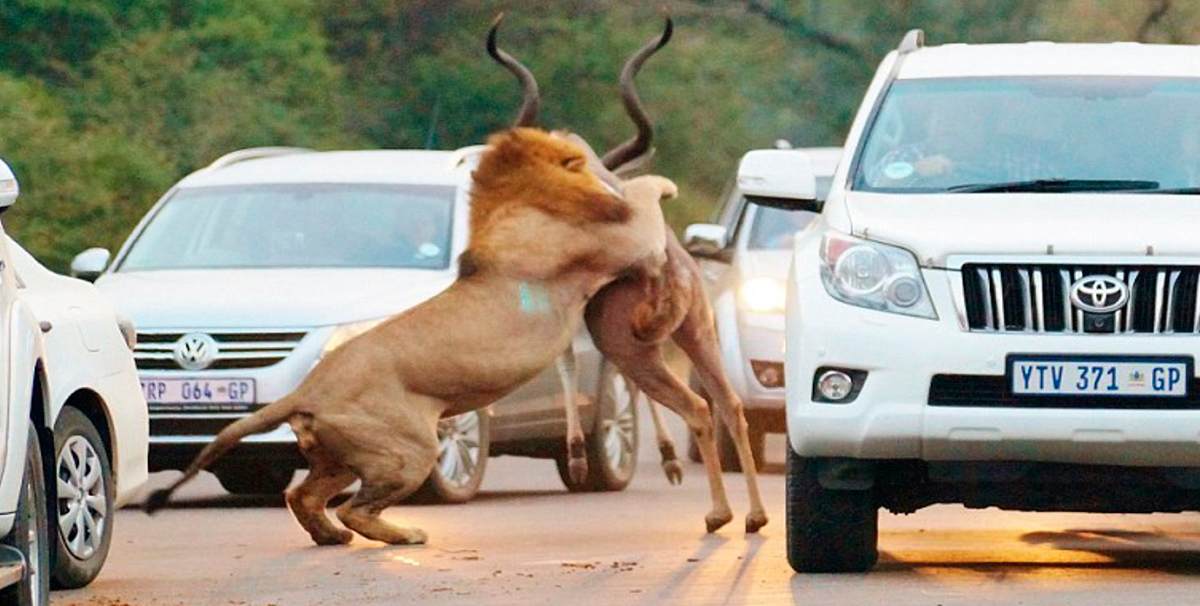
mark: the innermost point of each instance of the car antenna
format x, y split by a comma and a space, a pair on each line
437, 107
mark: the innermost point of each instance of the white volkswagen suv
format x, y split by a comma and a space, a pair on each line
999, 304
250, 269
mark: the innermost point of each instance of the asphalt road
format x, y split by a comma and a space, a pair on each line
527, 541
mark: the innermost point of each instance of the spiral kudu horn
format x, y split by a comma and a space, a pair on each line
529, 104
632, 149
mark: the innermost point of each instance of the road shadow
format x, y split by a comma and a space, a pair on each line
1121, 549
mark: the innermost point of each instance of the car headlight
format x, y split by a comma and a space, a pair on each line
763, 295
342, 334
873, 275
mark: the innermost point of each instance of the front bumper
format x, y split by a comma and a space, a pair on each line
891, 418
176, 436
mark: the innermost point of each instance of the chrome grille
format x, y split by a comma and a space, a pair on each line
1034, 298
253, 349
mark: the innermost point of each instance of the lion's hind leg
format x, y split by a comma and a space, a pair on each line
325, 479
362, 512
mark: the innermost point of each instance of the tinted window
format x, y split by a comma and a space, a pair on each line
935, 134
298, 226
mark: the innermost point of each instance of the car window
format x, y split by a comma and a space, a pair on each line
937, 134
775, 228
308, 225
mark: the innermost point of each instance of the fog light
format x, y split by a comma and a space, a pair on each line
770, 374
835, 385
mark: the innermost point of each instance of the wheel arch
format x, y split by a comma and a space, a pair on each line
93, 406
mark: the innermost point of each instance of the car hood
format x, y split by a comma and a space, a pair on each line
938, 226
267, 298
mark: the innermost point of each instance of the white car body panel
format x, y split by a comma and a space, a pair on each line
85, 351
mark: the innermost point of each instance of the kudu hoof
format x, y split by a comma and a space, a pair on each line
578, 469
715, 521
674, 472
755, 521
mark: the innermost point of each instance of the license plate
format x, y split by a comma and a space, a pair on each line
1099, 376
199, 394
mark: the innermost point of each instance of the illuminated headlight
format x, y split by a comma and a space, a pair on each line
763, 295
342, 334
873, 275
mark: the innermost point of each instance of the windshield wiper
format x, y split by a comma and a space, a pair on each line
1055, 186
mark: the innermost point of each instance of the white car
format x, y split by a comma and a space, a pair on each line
998, 304
71, 395
249, 270
744, 257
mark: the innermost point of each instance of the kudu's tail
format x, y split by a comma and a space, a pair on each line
268, 417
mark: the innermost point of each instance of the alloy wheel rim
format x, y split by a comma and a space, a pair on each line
619, 429
458, 448
82, 502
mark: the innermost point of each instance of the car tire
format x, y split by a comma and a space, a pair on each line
612, 447
828, 530
464, 442
255, 479
83, 506
30, 533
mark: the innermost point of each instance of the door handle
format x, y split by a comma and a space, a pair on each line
45, 326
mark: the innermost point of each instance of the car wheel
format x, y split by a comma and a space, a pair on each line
30, 534
463, 444
260, 479
828, 530
612, 446
84, 500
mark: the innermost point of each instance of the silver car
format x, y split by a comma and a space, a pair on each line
249, 270
744, 255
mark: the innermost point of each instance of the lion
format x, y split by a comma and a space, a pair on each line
369, 409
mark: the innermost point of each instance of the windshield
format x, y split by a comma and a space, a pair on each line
775, 228
310, 225
1058, 134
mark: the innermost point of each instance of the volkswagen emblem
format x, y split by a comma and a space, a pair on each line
1099, 294
195, 351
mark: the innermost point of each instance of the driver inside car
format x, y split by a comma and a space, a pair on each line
959, 148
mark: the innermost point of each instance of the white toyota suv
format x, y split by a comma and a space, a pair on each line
999, 304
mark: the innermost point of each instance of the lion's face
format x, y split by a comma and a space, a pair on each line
531, 167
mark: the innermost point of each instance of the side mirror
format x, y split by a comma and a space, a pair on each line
9, 188
89, 264
705, 240
780, 178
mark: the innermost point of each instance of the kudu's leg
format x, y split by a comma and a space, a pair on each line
577, 464
666, 446
650, 373
697, 337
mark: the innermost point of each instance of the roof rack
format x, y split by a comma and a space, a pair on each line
254, 153
914, 39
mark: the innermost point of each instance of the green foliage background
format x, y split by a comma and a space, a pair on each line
105, 103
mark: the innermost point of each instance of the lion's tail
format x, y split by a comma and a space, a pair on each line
266, 418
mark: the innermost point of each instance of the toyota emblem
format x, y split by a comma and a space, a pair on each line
195, 351
1099, 294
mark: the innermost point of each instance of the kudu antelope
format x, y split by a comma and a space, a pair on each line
543, 228
631, 319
